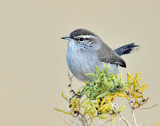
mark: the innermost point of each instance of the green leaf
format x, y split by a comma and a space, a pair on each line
94, 93
87, 90
97, 69
103, 94
123, 107
113, 119
102, 117
92, 75
63, 111
64, 96
80, 89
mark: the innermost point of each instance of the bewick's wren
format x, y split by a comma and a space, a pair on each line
86, 49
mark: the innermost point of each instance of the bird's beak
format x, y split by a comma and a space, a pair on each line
67, 38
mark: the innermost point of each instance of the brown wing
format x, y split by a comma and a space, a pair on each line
106, 54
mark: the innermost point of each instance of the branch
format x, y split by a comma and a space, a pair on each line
132, 110
134, 118
115, 107
125, 120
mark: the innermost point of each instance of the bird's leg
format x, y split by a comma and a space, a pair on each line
70, 79
70, 85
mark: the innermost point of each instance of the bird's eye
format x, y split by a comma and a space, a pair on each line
81, 39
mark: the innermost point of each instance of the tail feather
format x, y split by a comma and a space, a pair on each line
126, 49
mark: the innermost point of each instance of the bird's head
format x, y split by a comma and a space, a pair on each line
85, 39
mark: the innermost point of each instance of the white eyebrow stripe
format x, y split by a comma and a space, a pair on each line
86, 36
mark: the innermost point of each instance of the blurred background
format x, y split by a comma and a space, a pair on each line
33, 68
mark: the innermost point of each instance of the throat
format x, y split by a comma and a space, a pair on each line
78, 61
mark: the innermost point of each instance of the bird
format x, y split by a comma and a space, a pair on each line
87, 50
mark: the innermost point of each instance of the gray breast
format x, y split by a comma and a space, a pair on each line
82, 62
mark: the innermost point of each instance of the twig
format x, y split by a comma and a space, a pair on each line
123, 118
108, 121
71, 121
64, 122
149, 107
134, 118
132, 110
83, 120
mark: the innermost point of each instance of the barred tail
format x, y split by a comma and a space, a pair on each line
126, 49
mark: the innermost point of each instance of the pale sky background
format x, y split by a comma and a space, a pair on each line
33, 68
